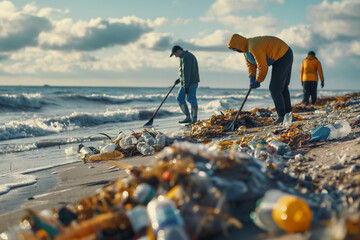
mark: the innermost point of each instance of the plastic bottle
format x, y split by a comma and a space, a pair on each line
166, 220
147, 149
161, 140
108, 148
131, 140
144, 193
138, 218
148, 138
279, 211
287, 120
85, 151
262, 153
124, 144
119, 137
139, 145
279, 147
339, 129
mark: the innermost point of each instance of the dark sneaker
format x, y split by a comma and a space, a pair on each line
279, 120
186, 120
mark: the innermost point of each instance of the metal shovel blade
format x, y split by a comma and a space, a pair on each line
149, 123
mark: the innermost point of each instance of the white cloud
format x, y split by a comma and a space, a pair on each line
336, 20
355, 48
251, 26
334, 31
226, 7
299, 36
155, 41
20, 28
7, 9
36, 61
226, 12
96, 33
217, 38
221, 62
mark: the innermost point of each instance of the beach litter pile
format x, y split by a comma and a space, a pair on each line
197, 191
216, 188
146, 143
214, 126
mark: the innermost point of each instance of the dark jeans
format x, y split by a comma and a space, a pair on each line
310, 89
279, 84
191, 96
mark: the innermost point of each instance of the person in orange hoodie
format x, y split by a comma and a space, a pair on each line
310, 68
260, 53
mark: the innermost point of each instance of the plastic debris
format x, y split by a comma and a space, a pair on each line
339, 129
279, 147
278, 211
287, 120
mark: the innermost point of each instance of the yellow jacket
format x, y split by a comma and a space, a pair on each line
259, 52
309, 69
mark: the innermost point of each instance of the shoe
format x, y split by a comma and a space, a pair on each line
194, 113
279, 120
185, 110
186, 120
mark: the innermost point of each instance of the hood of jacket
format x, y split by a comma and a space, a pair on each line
238, 42
311, 57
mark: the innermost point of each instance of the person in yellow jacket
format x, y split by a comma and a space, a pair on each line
260, 53
310, 68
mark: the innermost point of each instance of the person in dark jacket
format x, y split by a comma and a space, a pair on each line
310, 68
260, 53
189, 79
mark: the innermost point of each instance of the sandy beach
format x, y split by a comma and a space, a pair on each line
75, 181
331, 165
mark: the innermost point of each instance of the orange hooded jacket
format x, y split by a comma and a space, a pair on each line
259, 52
309, 69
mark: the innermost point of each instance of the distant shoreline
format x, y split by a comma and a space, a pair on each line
200, 87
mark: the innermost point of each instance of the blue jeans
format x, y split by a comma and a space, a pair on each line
191, 96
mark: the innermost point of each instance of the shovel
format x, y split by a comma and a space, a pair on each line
150, 122
231, 127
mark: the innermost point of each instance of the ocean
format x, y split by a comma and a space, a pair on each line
38, 123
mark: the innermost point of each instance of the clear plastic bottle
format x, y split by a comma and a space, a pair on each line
108, 148
85, 151
123, 144
119, 137
139, 145
144, 193
279, 147
166, 220
147, 150
140, 139
161, 140
148, 138
279, 211
130, 140
138, 218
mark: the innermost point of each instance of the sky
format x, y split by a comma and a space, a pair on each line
128, 42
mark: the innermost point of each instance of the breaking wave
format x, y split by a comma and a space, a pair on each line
22, 101
46, 126
104, 98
